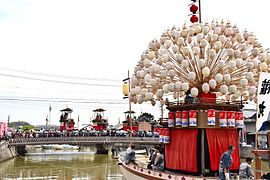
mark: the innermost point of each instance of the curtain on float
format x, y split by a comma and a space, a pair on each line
218, 142
181, 153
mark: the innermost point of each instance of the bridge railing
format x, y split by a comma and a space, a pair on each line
82, 140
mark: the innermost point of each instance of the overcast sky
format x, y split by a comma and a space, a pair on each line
100, 40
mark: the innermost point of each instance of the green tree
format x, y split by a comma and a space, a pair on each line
27, 128
18, 124
146, 117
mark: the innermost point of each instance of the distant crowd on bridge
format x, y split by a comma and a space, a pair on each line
81, 133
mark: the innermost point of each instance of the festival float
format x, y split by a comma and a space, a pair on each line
66, 122
99, 123
202, 72
129, 118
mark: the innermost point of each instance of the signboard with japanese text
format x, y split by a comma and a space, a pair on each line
263, 99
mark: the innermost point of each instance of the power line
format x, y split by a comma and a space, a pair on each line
56, 81
60, 76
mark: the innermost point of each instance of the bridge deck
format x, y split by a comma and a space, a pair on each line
82, 140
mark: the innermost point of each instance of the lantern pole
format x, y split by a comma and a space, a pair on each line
200, 14
130, 119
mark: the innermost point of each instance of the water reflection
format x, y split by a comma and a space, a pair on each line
66, 165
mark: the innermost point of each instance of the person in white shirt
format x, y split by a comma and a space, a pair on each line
245, 169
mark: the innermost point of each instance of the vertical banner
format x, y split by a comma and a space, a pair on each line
263, 106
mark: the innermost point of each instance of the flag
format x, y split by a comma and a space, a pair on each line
263, 106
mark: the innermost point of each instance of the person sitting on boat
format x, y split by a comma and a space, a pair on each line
159, 161
153, 154
226, 163
245, 169
130, 155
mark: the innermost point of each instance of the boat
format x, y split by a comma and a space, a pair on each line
203, 73
60, 147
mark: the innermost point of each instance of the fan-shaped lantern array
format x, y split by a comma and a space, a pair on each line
202, 58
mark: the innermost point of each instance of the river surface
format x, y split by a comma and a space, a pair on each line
63, 165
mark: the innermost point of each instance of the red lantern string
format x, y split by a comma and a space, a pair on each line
194, 19
194, 9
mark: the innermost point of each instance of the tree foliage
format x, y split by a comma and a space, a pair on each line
18, 124
146, 117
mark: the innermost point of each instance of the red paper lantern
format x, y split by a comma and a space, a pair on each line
194, 19
193, 8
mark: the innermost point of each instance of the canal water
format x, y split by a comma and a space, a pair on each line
63, 165
66, 165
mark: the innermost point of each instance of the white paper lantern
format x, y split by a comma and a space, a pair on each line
201, 63
263, 67
192, 75
133, 91
239, 37
227, 77
197, 29
214, 37
156, 68
221, 64
194, 92
148, 96
144, 90
237, 53
169, 65
230, 52
223, 89
222, 39
151, 55
218, 77
171, 87
212, 53
243, 82
252, 90
179, 58
204, 43
199, 37
218, 45
171, 73
244, 55
175, 49
205, 30
185, 87
238, 62
181, 41
233, 89
138, 90
165, 88
185, 63
178, 85
255, 52
147, 78
165, 57
212, 83
217, 30
163, 73
206, 71
146, 63
249, 76
205, 87
167, 44
159, 93
196, 50
186, 50
153, 82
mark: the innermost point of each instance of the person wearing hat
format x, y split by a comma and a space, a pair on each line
245, 169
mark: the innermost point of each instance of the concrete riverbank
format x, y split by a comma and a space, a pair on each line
6, 151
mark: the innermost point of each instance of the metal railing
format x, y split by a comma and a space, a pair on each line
82, 140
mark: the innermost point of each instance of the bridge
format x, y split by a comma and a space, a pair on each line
84, 141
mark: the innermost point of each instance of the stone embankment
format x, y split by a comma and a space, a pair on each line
6, 151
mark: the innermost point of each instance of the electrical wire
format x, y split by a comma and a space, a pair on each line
57, 81
60, 76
